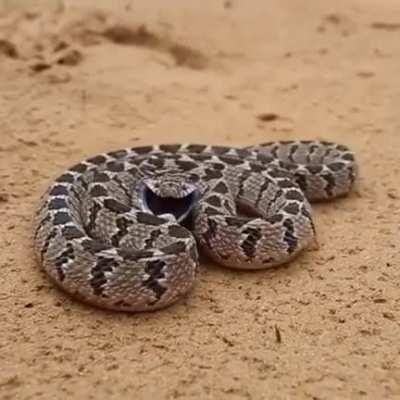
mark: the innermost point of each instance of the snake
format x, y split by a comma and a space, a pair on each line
123, 230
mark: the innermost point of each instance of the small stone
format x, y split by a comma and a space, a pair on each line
40, 66
4, 197
388, 315
71, 58
267, 117
8, 49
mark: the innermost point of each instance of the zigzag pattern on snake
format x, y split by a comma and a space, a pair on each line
122, 230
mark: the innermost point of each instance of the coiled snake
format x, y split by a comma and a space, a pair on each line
121, 230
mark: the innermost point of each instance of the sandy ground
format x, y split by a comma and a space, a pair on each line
77, 80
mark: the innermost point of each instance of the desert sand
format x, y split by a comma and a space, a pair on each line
78, 78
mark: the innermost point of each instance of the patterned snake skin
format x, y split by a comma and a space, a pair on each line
121, 230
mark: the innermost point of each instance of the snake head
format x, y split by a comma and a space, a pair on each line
169, 195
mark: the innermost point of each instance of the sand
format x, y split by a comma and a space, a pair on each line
79, 78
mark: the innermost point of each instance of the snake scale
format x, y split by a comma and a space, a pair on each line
122, 230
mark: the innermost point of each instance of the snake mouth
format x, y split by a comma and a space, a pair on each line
180, 208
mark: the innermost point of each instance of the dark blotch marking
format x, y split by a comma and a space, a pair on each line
249, 244
66, 256
212, 174
341, 147
170, 148
149, 243
118, 153
275, 218
149, 219
330, 183
278, 173
156, 162
311, 151
47, 218
122, 186
94, 246
133, 171
214, 200
154, 286
292, 208
82, 181
314, 169
210, 233
348, 157
67, 178
235, 221
115, 206
135, 160
287, 166
52, 235
81, 168
305, 142
288, 142
115, 166
221, 187
178, 232
74, 191
243, 153
286, 183
97, 160
71, 232
57, 203
257, 167
212, 227
219, 166
292, 152
196, 148
294, 195
100, 177
155, 270
186, 165
307, 214
301, 181
274, 150
232, 160
174, 248
262, 190
220, 150
98, 191
228, 207
134, 255
289, 237
201, 157
142, 149
93, 212
61, 218
123, 224
59, 190
194, 178
98, 272
336, 166
241, 184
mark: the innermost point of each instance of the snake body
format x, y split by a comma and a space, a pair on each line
121, 230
